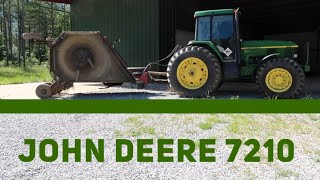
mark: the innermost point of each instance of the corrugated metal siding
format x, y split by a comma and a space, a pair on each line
135, 23
174, 15
146, 28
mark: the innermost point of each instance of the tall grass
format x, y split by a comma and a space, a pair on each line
16, 75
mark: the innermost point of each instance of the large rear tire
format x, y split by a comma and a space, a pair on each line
194, 72
280, 78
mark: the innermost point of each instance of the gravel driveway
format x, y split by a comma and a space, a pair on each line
303, 130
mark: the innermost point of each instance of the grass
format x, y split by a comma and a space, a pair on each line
205, 126
308, 97
208, 124
286, 173
15, 75
271, 97
90, 132
134, 121
214, 120
313, 117
246, 125
139, 131
235, 98
136, 128
241, 125
317, 153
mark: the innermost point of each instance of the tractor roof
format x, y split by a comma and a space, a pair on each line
214, 12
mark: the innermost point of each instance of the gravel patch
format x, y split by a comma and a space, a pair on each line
302, 129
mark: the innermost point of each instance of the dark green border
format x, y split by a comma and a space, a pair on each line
160, 106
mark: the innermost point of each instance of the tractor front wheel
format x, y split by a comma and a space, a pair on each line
280, 78
194, 72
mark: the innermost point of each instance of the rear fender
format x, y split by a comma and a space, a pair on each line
209, 45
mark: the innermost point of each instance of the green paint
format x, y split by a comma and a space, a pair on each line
32, 151
214, 12
307, 68
246, 71
253, 52
91, 149
270, 146
66, 150
120, 143
285, 146
289, 146
159, 106
54, 153
209, 45
186, 153
267, 43
133, 27
162, 150
252, 156
142, 150
236, 143
205, 150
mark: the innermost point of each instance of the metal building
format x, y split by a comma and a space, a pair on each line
146, 30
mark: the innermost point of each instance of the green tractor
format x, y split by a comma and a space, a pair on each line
218, 55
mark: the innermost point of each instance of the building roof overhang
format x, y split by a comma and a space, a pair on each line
60, 1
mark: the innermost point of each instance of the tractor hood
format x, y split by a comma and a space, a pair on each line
266, 44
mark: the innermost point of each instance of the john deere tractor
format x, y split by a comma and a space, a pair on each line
218, 55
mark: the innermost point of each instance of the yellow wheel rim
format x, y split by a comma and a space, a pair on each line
192, 73
279, 80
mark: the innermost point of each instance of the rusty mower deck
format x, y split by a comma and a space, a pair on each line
90, 57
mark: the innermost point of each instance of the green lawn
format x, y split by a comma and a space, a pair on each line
15, 75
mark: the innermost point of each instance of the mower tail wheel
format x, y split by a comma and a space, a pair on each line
280, 78
44, 91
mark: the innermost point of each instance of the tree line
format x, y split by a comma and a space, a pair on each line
29, 16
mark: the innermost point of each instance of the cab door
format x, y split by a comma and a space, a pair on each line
224, 36
222, 31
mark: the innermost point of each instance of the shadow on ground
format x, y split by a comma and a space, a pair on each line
124, 95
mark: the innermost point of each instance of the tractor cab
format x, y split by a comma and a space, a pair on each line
221, 28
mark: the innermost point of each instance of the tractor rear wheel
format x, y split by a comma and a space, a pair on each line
194, 72
280, 78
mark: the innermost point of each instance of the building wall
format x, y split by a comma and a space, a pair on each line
133, 26
175, 16
146, 28
144, 31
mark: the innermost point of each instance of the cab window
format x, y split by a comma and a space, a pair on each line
204, 28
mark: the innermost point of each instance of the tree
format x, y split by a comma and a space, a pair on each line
23, 16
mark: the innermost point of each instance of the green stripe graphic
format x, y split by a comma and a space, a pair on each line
160, 106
